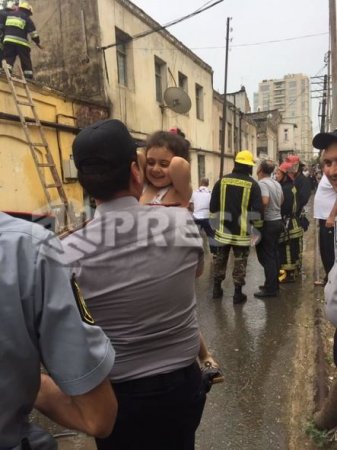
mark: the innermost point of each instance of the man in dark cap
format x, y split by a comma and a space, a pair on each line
327, 143
326, 198
136, 265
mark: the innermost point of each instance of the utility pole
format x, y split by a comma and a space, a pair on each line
224, 107
333, 46
324, 106
328, 100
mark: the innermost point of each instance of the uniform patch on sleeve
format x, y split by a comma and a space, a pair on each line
82, 306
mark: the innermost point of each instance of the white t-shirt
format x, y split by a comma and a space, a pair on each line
201, 199
325, 198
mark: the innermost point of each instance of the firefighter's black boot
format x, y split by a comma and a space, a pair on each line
217, 289
239, 296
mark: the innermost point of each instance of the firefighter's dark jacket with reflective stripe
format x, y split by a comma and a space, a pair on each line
16, 26
289, 210
303, 186
236, 206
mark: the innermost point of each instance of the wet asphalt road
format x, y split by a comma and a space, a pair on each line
255, 346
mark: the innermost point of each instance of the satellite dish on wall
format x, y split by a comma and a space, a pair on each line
177, 100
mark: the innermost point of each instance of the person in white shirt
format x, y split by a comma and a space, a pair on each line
199, 205
324, 201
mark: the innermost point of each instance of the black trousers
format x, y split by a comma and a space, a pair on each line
206, 226
268, 253
326, 246
158, 413
11, 51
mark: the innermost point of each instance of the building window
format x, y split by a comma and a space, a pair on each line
220, 133
236, 138
201, 167
229, 136
122, 60
183, 81
160, 73
199, 101
286, 135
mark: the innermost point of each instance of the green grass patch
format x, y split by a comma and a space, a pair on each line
322, 438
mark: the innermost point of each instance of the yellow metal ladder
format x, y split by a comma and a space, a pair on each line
43, 159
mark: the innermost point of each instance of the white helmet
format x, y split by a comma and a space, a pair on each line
11, 5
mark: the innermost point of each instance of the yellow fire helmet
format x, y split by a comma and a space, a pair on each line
27, 6
245, 157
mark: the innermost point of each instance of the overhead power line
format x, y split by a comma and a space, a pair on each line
163, 27
221, 47
294, 38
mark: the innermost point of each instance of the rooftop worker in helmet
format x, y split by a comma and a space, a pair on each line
10, 6
237, 200
17, 26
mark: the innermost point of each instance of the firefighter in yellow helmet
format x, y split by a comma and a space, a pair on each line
10, 6
236, 207
17, 27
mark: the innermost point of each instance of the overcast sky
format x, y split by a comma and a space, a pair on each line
253, 21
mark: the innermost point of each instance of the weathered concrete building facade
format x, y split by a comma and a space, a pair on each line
62, 117
267, 123
111, 51
286, 139
240, 130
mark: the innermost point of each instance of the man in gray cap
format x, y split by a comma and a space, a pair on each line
136, 265
41, 324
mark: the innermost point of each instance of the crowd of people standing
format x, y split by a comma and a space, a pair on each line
267, 213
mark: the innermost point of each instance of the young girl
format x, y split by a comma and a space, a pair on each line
167, 170
168, 183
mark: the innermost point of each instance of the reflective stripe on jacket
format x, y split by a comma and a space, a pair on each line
17, 26
236, 199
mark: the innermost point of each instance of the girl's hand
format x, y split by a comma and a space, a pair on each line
180, 175
141, 159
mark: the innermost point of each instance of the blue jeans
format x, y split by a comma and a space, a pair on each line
161, 412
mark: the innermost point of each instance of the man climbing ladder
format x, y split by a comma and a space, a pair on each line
17, 25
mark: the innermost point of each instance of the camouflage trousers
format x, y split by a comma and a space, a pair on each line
240, 263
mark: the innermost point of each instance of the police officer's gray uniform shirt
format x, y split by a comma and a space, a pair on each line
136, 266
40, 322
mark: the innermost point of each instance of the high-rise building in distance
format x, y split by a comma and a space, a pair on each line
291, 96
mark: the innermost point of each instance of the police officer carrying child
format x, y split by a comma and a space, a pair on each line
139, 282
